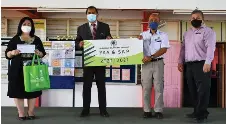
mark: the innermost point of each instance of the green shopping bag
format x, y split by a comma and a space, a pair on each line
36, 77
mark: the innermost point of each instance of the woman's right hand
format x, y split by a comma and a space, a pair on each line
15, 52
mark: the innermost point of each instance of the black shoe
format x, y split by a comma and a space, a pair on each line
159, 115
147, 115
104, 114
84, 113
200, 120
192, 115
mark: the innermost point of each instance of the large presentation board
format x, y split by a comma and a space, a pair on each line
114, 73
127, 51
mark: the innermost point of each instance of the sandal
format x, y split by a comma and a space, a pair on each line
22, 118
31, 117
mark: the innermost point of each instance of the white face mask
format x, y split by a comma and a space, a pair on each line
26, 29
92, 17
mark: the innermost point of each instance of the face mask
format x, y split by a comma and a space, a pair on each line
91, 17
26, 29
153, 25
196, 23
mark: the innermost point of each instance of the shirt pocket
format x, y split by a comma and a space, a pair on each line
157, 44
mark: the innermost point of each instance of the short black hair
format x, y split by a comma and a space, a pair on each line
91, 7
198, 11
19, 31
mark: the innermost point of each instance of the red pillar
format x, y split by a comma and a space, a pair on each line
145, 27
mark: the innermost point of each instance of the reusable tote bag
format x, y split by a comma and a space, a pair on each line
36, 76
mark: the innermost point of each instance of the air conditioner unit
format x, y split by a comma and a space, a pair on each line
60, 10
219, 12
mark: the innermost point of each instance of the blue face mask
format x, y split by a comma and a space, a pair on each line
91, 17
153, 25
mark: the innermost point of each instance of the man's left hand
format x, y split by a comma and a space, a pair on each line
108, 37
206, 68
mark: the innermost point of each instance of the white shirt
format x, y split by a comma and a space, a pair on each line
91, 27
153, 43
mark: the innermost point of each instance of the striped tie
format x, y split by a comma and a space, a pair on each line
94, 31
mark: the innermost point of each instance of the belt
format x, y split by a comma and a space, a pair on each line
157, 59
190, 62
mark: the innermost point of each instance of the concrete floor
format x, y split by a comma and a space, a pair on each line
117, 116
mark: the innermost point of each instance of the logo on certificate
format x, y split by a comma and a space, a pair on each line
113, 43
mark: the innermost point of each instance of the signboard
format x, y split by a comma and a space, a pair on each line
113, 52
40, 28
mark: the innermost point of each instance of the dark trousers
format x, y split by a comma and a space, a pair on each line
199, 84
88, 77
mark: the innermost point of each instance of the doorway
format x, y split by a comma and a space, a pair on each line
218, 83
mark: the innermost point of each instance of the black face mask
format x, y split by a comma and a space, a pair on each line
196, 23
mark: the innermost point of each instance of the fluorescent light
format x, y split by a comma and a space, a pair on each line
204, 12
59, 10
18, 9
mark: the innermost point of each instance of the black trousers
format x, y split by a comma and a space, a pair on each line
199, 84
89, 72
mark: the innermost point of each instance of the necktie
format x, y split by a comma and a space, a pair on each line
94, 31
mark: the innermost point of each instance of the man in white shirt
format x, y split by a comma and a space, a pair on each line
155, 44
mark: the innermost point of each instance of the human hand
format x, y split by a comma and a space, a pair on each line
206, 68
81, 44
108, 37
180, 67
15, 52
146, 59
39, 53
140, 37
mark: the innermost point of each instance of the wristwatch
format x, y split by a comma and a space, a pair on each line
152, 57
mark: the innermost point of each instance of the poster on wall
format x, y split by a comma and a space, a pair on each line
69, 63
113, 52
126, 74
4, 64
115, 74
69, 53
56, 71
40, 28
4, 26
67, 71
108, 73
57, 54
47, 44
78, 72
78, 61
3, 49
56, 63
57, 45
60, 57
69, 45
4, 76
